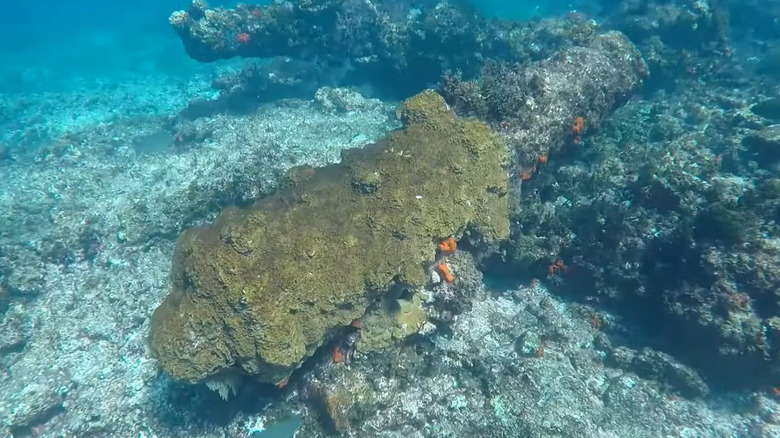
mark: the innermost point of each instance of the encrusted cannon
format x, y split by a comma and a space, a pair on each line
262, 288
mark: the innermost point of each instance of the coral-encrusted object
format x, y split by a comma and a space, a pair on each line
262, 288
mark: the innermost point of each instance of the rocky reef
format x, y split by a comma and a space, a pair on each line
673, 227
396, 47
262, 288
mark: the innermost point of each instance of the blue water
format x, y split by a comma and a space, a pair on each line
56, 46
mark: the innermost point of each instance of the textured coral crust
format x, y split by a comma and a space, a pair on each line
262, 288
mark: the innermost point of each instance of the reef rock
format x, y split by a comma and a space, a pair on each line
260, 289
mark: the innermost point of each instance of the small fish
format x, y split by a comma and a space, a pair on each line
281, 429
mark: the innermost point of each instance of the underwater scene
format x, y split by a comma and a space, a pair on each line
390, 219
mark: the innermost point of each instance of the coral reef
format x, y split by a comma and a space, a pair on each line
262, 288
671, 224
678, 39
514, 364
639, 281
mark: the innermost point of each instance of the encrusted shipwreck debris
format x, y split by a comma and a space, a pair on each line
375, 37
260, 289
398, 45
548, 105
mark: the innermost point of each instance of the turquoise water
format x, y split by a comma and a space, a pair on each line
523, 10
57, 46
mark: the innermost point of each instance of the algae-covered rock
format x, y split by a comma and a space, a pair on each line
260, 289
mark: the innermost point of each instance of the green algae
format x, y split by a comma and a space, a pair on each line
260, 289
